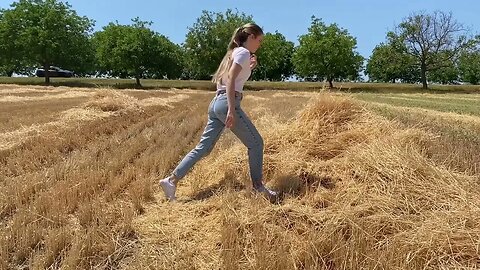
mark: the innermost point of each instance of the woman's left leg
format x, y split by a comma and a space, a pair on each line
251, 138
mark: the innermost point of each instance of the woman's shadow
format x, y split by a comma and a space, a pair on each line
225, 184
286, 185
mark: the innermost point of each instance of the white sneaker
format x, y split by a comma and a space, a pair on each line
169, 188
269, 194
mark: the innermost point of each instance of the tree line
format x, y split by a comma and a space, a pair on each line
42, 33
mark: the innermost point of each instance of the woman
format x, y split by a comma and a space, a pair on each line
225, 111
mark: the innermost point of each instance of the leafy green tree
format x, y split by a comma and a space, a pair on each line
274, 58
387, 64
171, 59
10, 58
45, 33
136, 51
207, 40
5, 72
432, 39
469, 66
327, 52
446, 73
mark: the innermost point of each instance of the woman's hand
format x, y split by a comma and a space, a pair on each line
230, 121
253, 61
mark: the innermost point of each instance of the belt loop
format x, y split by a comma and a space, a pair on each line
237, 94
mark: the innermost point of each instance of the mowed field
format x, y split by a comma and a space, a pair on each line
453, 118
367, 181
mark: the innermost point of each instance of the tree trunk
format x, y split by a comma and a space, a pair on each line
137, 79
46, 68
424, 75
330, 82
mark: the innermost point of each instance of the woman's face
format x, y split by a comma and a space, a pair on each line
254, 42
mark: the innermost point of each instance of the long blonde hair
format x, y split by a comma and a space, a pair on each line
239, 37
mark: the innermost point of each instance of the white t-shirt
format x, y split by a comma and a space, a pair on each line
240, 56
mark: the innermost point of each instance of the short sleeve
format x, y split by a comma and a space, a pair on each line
241, 56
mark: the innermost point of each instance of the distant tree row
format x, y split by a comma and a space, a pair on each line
43, 33
427, 48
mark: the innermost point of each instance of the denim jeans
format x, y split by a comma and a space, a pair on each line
243, 129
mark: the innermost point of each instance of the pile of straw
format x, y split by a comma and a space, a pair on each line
359, 192
113, 101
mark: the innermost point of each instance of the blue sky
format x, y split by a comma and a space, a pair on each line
367, 20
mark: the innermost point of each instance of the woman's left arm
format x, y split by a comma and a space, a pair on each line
253, 61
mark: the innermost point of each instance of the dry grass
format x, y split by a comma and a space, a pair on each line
14, 115
70, 94
69, 194
164, 101
111, 101
65, 119
358, 191
457, 143
462, 104
13, 89
250, 85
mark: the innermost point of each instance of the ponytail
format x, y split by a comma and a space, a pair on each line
239, 37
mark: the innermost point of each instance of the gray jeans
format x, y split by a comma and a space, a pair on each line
243, 129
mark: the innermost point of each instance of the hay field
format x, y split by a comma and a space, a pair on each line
365, 183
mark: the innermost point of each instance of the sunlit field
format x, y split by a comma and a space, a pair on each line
368, 180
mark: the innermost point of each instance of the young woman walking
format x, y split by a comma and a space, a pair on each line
225, 111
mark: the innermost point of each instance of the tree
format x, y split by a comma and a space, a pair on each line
170, 58
469, 66
136, 51
433, 40
207, 40
10, 57
4, 71
327, 52
447, 73
387, 64
274, 58
44, 32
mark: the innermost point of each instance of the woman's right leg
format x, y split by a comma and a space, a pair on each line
210, 136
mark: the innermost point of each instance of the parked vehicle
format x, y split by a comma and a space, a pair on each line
54, 72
